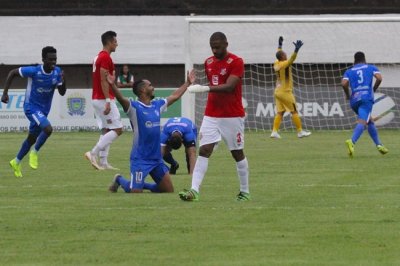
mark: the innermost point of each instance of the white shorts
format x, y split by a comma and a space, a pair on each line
230, 129
110, 121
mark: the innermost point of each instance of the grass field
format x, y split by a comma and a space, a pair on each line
311, 205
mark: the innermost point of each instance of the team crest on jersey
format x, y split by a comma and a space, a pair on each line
210, 60
223, 72
76, 104
148, 124
230, 59
215, 79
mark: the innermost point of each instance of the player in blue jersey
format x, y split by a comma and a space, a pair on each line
145, 157
359, 78
42, 82
178, 130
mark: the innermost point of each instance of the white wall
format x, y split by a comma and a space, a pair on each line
142, 39
161, 39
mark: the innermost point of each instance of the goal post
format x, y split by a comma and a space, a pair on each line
329, 45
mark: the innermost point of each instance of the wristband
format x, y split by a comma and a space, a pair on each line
108, 100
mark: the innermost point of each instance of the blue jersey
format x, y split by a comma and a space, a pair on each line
41, 85
360, 77
145, 121
183, 125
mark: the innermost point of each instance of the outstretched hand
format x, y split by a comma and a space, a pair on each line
280, 41
4, 98
298, 44
191, 76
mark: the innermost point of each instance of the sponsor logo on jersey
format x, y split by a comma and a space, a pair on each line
76, 104
230, 59
210, 60
223, 72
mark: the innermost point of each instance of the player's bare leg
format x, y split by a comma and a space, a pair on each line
166, 186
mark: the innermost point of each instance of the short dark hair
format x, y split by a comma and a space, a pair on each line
175, 141
108, 36
359, 57
48, 49
137, 85
218, 36
279, 54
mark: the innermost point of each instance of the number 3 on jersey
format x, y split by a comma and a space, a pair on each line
360, 76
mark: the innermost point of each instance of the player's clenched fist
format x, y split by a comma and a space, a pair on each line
198, 88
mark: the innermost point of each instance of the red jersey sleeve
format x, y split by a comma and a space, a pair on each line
106, 63
237, 67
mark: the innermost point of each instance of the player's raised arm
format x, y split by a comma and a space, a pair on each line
11, 75
120, 98
280, 42
177, 94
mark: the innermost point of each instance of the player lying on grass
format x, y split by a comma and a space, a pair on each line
145, 157
284, 97
176, 131
43, 80
359, 78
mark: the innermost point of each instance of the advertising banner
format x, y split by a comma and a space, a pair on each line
71, 112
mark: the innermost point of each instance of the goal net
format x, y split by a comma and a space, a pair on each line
330, 43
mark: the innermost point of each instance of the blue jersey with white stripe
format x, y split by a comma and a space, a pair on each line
360, 77
183, 125
41, 85
145, 120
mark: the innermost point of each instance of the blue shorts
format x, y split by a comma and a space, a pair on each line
363, 109
140, 169
38, 120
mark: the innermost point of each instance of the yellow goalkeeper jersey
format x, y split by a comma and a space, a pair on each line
283, 70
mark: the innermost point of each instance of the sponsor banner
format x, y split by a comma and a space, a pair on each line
319, 108
71, 112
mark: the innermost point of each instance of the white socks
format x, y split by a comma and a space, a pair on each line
200, 169
104, 141
242, 168
103, 154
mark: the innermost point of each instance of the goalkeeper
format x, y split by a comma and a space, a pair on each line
284, 97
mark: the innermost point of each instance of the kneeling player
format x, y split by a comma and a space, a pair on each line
176, 131
145, 157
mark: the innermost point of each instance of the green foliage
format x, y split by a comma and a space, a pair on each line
311, 205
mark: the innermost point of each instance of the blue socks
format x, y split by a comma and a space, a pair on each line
125, 184
153, 187
373, 133
41, 140
24, 150
358, 130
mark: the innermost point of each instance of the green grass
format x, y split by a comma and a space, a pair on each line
311, 205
